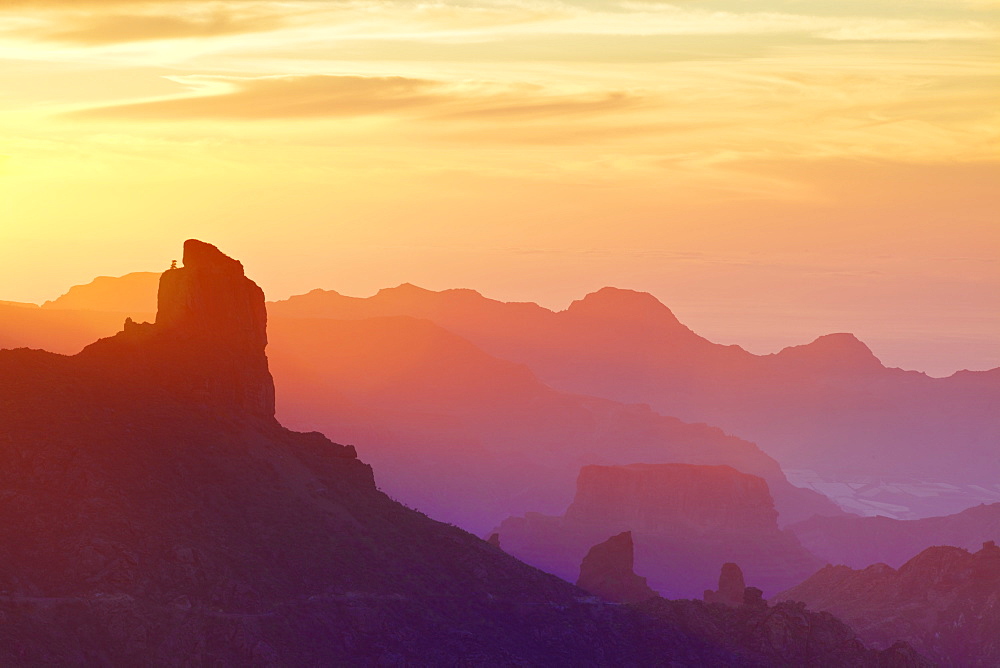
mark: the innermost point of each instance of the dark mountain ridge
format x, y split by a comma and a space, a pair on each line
157, 513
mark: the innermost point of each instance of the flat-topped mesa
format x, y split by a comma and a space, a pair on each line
652, 497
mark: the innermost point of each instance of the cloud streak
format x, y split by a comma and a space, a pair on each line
121, 28
330, 96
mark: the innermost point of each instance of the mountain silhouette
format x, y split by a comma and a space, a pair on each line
133, 293
155, 512
829, 406
471, 438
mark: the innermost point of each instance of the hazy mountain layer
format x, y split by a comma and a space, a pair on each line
861, 541
829, 406
686, 521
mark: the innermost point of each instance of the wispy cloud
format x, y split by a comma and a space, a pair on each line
119, 28
316, 96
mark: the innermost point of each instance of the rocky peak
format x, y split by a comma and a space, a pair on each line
626, 305
841, 352
208, 340
732, 588
608, 571
210, 297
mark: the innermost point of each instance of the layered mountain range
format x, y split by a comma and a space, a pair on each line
452, 430
861, 541
155, 512
830, 406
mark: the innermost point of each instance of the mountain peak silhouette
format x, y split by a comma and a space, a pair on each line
842, 350
623, 304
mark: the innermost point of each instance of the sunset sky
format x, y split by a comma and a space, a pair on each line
771, 170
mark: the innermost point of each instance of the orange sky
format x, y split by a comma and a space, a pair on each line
771, 170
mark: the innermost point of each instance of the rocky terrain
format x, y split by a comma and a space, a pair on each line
945, 602
784, 634
686, 522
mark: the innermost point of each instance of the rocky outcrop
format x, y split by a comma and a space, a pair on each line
732, 587
686, 521
944, 602
607, 571
208, 340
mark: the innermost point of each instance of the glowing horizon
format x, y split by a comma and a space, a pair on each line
770, 173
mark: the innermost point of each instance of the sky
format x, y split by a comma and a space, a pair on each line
772, 170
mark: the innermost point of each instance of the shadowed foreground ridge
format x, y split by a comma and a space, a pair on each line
156, 513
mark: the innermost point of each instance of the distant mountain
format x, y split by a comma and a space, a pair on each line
460, 434
829, 406
944, 602
65, 332
862, 541
134, 294
156, 513
686, 521
470, 438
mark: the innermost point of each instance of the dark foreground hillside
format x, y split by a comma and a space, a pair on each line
154, 512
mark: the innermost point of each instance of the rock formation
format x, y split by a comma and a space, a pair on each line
155, 513
732, 588
607, 571
686, 521
944, 602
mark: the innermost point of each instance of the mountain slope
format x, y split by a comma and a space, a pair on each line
944, 602
156, 512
